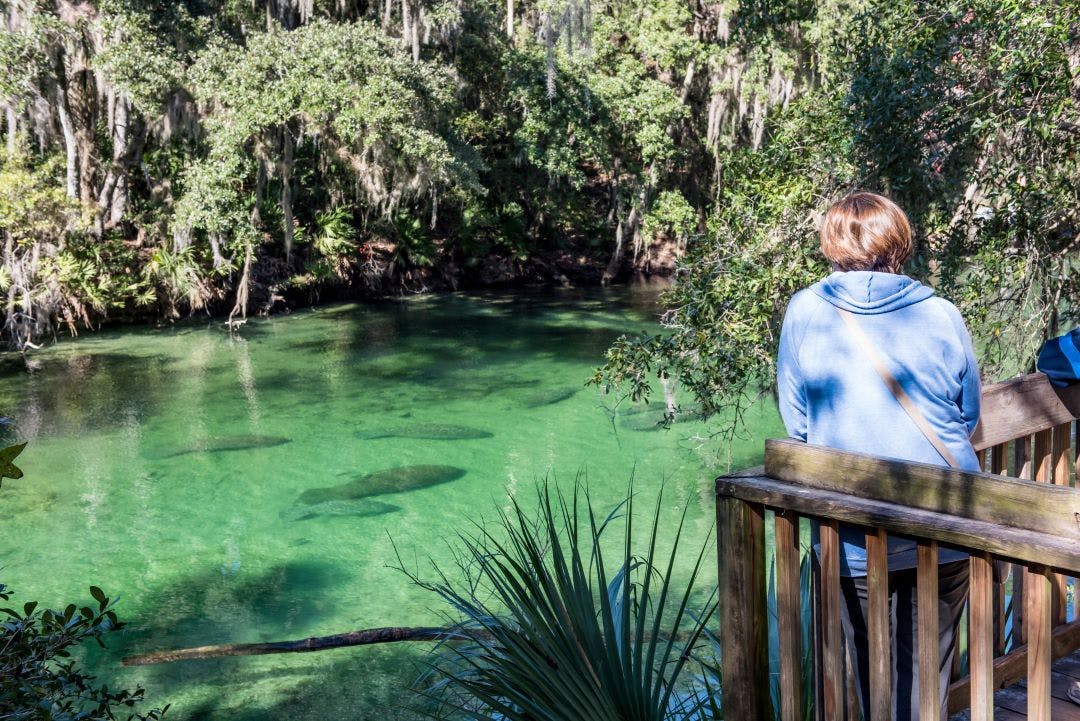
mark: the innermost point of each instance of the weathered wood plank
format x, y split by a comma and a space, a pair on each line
1004, 714
1059, 476
877, 622
1011, 668
744, 630
1022, 466
1044, 461
980, 637
1022, 406
1043, 464
929, 637
999, 461
1014, 700
788, 612
832, 648
1060, 453
977, 496
1037, 609
1013, 543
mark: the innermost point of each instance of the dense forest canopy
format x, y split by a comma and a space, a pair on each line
166, 157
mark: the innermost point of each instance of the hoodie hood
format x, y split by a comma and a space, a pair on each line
870, 292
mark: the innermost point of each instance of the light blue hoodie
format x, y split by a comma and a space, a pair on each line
830, 394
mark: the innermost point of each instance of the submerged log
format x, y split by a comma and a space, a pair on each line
315, 643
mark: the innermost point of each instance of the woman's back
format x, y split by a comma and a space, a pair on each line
829, 392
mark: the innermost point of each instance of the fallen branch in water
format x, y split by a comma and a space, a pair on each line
315, 643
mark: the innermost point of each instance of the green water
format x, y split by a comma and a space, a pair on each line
171, 466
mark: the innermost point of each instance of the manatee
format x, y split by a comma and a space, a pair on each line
549, 397
229, 443
391, 480
359, 508
427, 431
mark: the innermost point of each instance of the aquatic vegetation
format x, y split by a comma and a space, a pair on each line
221, 444
360, 508
391, 480
552, 625
427, 431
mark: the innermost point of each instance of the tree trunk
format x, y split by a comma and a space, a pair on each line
510, 19
388, 14
315, 643
414, 33
242, 290
70, 145
82, 115
286, 192
112, 198
12, 129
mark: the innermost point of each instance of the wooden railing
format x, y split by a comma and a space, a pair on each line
1028, 431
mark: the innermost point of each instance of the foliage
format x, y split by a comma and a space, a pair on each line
194, 148
38, 679
8, 469
966, 113
549, 623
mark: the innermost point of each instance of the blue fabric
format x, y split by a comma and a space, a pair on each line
1059, 359
830, 394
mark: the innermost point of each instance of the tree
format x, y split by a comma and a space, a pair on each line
966, 113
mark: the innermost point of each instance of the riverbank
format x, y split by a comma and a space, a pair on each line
375, 273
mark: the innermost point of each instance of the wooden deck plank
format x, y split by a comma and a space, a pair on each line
1010, 704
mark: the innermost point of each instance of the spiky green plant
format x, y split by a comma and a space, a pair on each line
553, 631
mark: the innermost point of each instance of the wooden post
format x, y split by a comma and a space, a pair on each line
832, 645
743, 634
980, 636
929, 637
1038, 621
1058, 472
788, 613
877, 622
1022, 458
999, 464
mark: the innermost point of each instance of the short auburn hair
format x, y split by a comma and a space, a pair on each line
866, 231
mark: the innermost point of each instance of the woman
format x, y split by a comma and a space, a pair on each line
831, 394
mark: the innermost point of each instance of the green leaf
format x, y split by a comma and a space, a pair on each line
7, 468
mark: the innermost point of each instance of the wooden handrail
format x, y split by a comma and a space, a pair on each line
1027, 431
1023, 406
998, 500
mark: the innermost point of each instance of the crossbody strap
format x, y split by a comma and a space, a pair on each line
897, 390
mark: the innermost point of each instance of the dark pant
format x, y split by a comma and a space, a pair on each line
903, 623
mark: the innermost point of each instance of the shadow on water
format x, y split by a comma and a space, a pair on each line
217, 607
284, 602
373, 683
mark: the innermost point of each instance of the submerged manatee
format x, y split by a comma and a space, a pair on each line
427, 431
359, 508
229, 443
392, 480
549, 397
